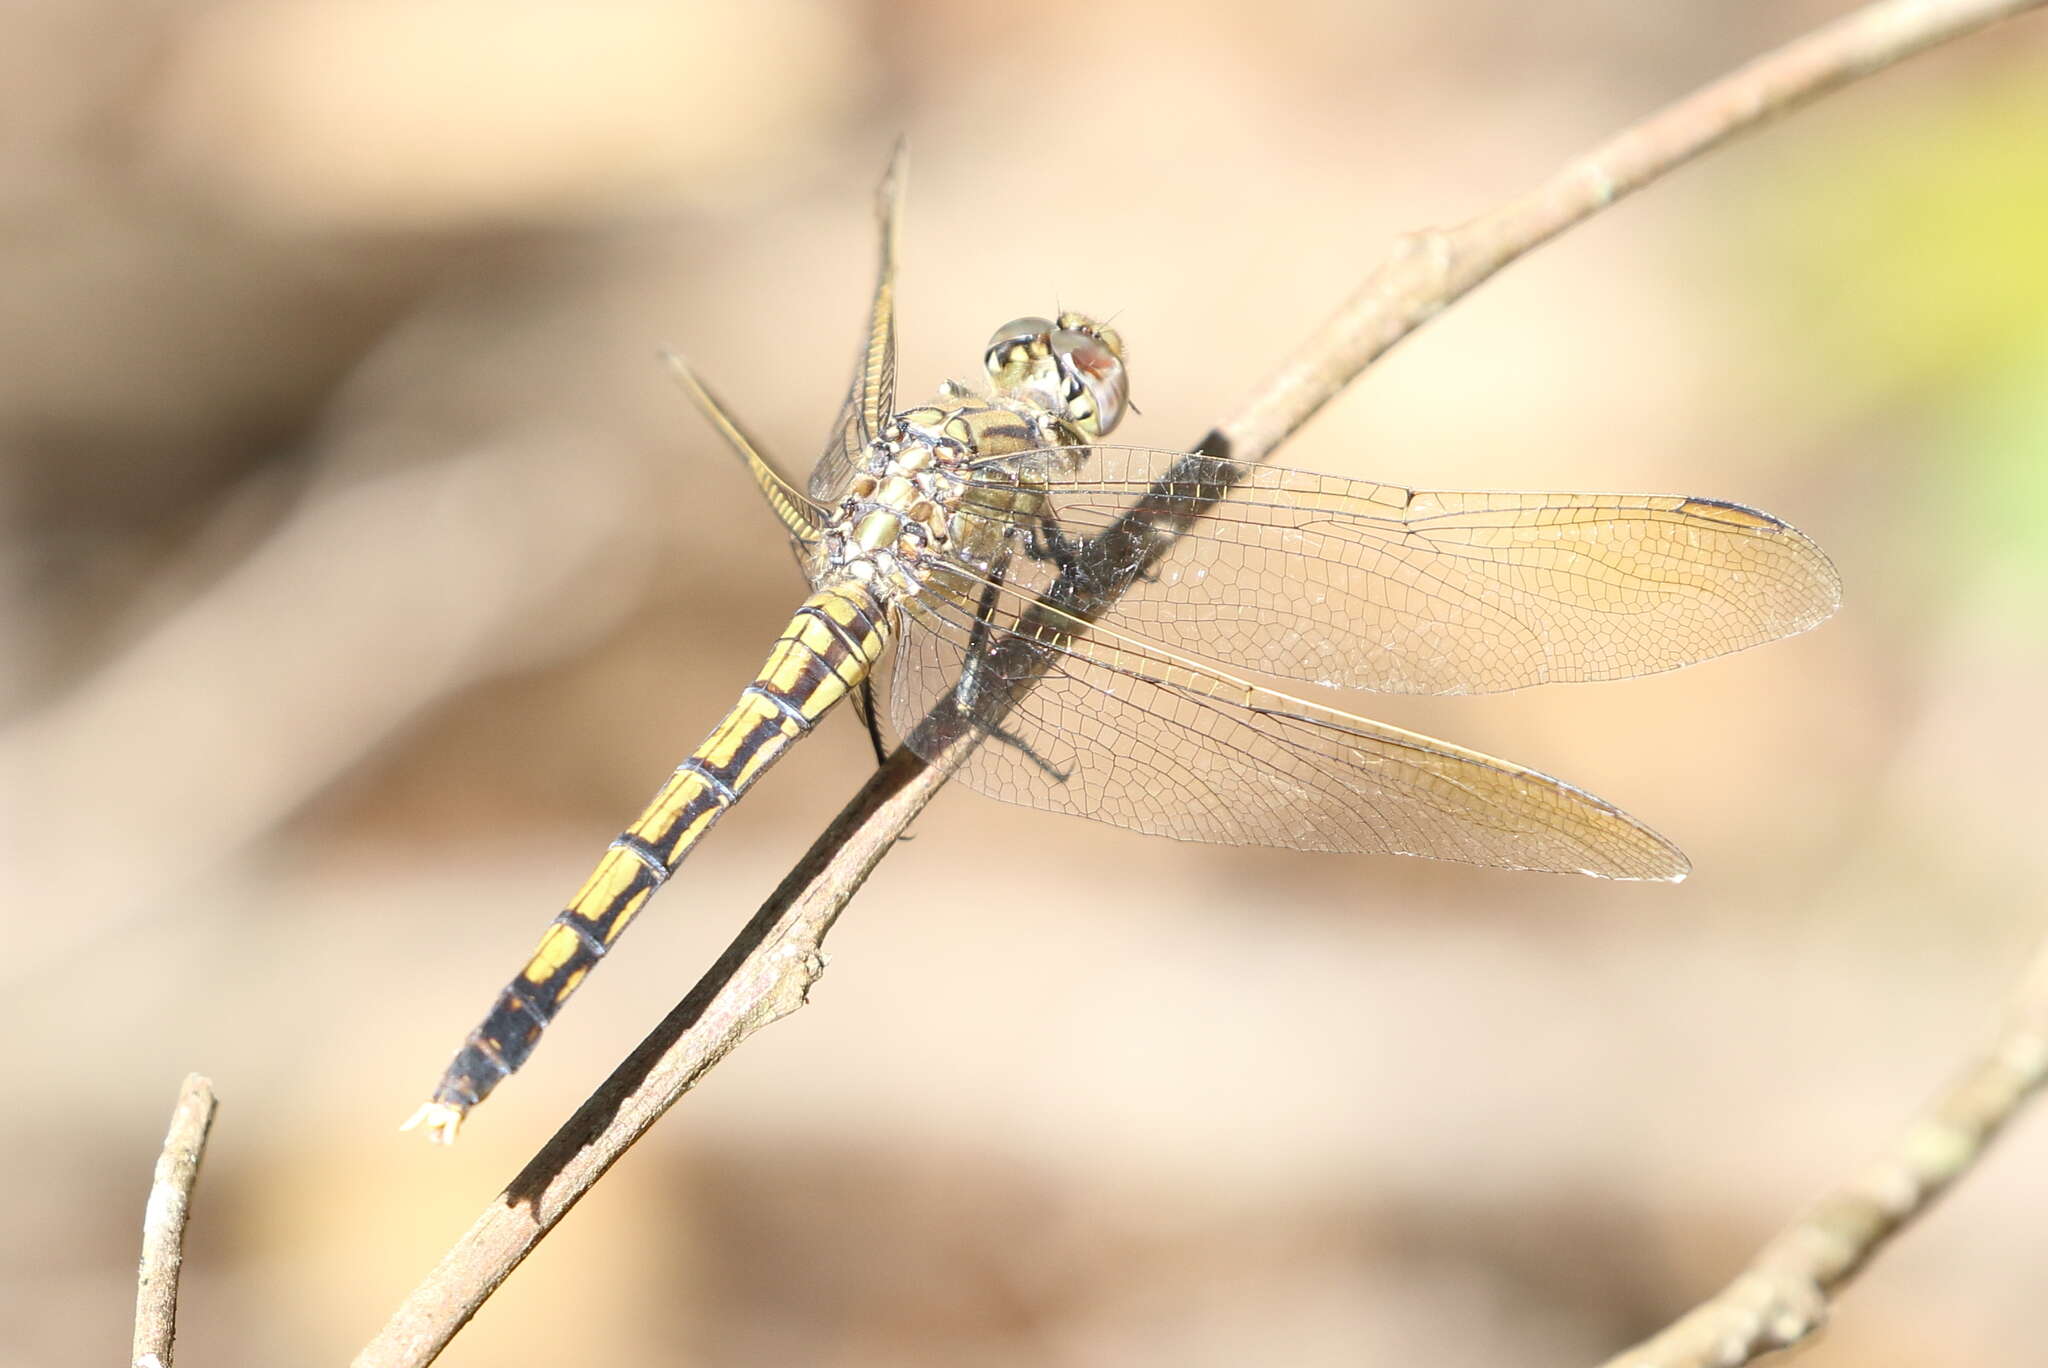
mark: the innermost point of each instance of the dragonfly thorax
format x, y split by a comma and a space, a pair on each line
897, 508
1056, 385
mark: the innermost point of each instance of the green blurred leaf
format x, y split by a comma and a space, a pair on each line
1915, 249
1989, 464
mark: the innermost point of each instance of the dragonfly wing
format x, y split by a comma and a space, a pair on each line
1367, 586
872, 396
1125, 733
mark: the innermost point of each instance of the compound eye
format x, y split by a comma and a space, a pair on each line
1092, 381
1018, 332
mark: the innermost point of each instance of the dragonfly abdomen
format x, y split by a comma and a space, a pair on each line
828, 648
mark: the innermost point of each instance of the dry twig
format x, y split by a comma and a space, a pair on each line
1782, 1297
163, 1224
767, 971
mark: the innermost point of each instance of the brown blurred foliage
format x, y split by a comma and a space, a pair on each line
362, 572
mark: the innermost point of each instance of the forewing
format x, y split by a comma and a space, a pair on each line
1367, 586
872, 396
1120, 732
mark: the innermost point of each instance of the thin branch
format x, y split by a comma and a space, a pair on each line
163, 1223
1782, 1297
767, 971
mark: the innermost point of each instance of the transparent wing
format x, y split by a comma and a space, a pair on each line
872, 395
1124, 733
801, 517
1370, 586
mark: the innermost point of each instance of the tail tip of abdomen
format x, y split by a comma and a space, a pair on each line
441, 1121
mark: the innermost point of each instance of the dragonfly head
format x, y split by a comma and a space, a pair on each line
1073, 367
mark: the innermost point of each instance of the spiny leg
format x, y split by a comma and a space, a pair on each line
871, 719
965, 691
1046, 542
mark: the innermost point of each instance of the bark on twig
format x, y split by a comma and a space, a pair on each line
163, 1224
766, 972
1782, 1297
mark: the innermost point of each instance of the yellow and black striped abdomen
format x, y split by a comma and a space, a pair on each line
828, 648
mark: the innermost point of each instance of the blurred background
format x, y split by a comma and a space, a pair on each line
363, 573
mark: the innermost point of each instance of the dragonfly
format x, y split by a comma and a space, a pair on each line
1073, 623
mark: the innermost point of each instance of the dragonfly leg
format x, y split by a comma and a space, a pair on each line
872, 721
1046, 542
969, 686
1023, 748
